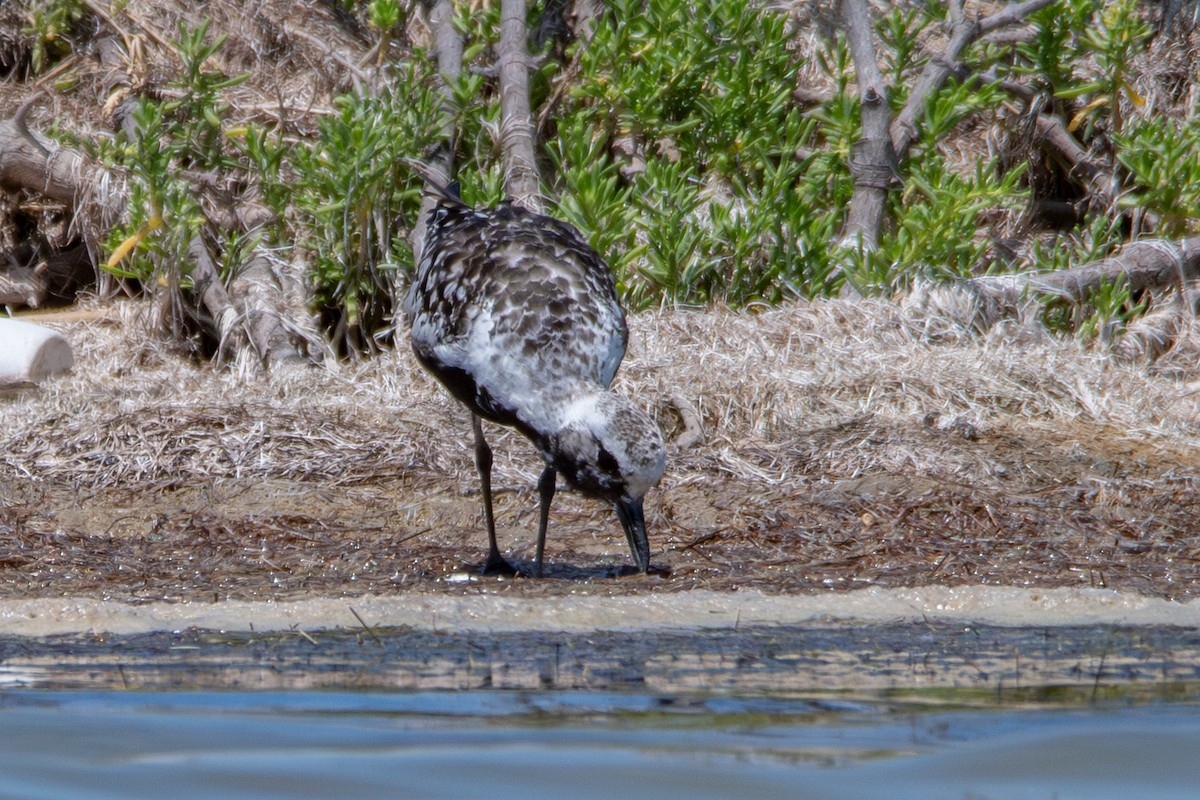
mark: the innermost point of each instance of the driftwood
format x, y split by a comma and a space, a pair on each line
252, 317
57, 276
19, 288
64, 177
1160, 267
1147, 265
55, 173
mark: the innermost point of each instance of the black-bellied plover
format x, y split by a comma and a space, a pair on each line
518, 317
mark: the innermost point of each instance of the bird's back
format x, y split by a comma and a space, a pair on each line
510, 309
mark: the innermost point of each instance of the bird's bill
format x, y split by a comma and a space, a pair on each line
629, 511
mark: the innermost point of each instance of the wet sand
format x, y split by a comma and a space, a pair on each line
581, 611
965, 639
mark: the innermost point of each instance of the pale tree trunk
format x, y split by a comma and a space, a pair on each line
449, 47
875, 158
516, 124
873, 162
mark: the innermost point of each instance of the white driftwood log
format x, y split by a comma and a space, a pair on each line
30, 352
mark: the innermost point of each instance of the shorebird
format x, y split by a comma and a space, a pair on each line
518, 318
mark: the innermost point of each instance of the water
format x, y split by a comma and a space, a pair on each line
822, 712
583, 745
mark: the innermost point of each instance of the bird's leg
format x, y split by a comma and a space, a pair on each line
546, 492
495, 565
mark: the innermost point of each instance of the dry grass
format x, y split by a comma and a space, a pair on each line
845, 443
842, 446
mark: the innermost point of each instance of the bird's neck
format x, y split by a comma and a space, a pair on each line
551, 417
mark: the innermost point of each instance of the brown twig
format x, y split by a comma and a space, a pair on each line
370, 631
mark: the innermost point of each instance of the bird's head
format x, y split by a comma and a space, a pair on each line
610, 449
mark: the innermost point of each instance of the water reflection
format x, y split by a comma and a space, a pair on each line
831, 712
583, 745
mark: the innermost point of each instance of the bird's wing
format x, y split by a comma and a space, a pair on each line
516, 294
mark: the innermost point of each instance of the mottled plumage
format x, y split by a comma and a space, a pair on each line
518, 317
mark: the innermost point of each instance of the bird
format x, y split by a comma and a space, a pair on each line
518, 318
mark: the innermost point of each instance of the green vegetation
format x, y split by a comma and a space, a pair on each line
677, 142
50, 27
178, 138
335, 198
1116, 34
723, 207
348, 188
1164, 171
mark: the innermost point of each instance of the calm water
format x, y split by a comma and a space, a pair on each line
581, 745
822, 712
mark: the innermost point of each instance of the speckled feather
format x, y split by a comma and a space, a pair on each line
519, 319
520, 304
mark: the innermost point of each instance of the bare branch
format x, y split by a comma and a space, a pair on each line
1053, 136
1010, 14
964, 31
1145, 265
1150, 265
584, 14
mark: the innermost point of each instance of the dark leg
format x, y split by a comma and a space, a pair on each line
496, 565
546, 491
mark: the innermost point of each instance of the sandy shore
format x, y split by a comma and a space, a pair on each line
581, 612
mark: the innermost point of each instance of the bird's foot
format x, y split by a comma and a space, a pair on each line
628, 570
496, 565
534, 571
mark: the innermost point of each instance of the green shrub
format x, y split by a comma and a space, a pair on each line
1163, 160
701, 95
344, 201
350, 188
177, 138
51, 24
677, 149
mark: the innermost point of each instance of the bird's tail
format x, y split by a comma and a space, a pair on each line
437, 183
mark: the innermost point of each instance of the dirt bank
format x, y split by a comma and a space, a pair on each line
842, 449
